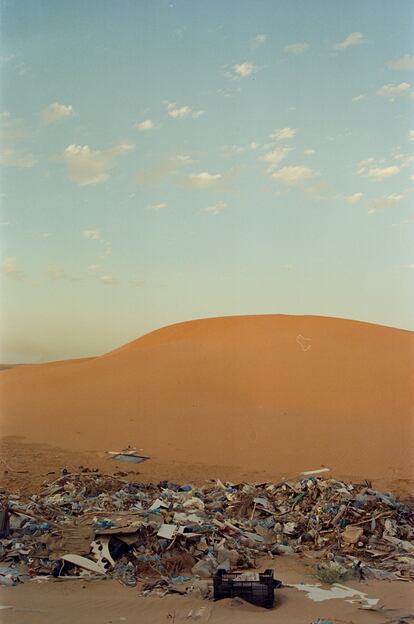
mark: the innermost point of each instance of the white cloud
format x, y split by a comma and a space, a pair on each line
185, 159
56, 112
204, 180
10, 269
359, 98
309, 152
87, 166
108, 279
21, 158
407, 266
217, 208
91, 234
352, 39
405, 160
411, 135
406, 62
283, 134
160, 206
230, 151
384, 202
142, 126
107, 249
56, 272
297, 48
254, 145
96, 271
293, 174
182, 112
274, 157
258, 40
391, 91
240, 71
354, 198
381, 173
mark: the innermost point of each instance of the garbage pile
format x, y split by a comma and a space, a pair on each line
93, 525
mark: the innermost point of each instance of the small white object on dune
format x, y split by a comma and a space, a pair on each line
314, 472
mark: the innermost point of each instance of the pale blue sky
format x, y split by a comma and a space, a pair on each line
165, 161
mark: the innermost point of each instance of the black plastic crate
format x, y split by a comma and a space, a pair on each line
260, 593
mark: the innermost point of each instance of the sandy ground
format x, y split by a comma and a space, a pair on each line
108, 602
242, 399
238, 397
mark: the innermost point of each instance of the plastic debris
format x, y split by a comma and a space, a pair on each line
93, 525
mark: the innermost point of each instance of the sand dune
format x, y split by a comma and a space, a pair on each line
274, 393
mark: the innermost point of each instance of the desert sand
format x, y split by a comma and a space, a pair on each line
108, 602
235, 397
240, 398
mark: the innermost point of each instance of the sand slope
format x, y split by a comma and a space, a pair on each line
274, 393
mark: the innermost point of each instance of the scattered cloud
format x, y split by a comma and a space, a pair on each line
106, 249
359, 98
18, 66
229, 92
404, 63
91, 234
182, 112
354, 198
21, 158
384, 202
297, 48
56, 272
283, 134
166, 168
95, 235
253, 145
56, 112
354, 38
275, 156
411, 135
12, 129
258, 40
407, 266
9, 268
158, 206
404, 160
228, 151
185, 159
392, 91
240, 71
309, 152
216, 209
86, 166
145, 125
13, 154
96, 271
293, 174
381, 173
204, 180
108, 279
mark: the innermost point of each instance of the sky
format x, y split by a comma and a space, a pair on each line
163, 161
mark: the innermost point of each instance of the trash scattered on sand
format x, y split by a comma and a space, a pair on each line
170, 538
129, 455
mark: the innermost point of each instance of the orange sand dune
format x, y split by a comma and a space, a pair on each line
274, 393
